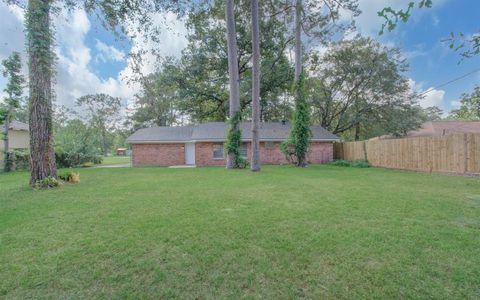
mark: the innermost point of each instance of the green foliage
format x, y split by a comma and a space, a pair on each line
46, 183
288, 150
16, 159
300, 133
103, 115
76, 159
8, 161
12, 68
350, 163
391, 16
234, 141
197, 84
157, 104
358, 89
70, 176
469, 106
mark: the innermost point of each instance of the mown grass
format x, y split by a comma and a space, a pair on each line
319, 232
115, 160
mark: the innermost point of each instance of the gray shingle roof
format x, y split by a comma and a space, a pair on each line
215, 131
16, 125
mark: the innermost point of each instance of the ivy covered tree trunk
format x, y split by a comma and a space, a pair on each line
255, 164
6, 146
40, 66
234, 81
300, 134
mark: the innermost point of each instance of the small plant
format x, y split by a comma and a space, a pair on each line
288, 150
71, 177
341, 163
360, 164
350, 163
46, 183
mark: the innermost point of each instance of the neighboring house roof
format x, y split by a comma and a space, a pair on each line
16, 125
216, 131
439, 128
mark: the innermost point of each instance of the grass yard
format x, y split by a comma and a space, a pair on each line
208, 233
115, 160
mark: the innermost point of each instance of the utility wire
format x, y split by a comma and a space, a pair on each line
448, 82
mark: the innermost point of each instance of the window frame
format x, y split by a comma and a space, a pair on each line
269, 145
218, 147
243, 147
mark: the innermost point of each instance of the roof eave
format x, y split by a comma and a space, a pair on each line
217, 141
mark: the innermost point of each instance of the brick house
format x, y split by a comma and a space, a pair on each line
202, 145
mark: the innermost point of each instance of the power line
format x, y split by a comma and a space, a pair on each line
448, 82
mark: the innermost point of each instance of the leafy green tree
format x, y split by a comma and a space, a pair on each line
394, 120
12, 68
203, 68
355, 81
40, 40
469, 106
103, 113
157, 103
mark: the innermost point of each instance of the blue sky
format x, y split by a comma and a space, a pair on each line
92, 60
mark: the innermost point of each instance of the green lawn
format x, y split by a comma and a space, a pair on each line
115, 160
209, 233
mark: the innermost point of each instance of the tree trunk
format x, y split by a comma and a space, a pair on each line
5, 132
104, 142
298, 39
232, 68
255, 164
6, 157
40, 65
357, 132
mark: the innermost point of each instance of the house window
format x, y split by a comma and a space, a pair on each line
217, 151
243, 150
269, 145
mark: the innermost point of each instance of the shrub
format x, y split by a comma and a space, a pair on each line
76, 159
17, 159
360, 164
71, 177
288, 150
350, 163
47, 183
341, 163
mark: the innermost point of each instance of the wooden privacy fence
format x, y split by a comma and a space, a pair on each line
455, 153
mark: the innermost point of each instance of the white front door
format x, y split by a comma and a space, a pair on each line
189, 153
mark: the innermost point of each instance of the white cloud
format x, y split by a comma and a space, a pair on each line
108, 53
455, 104
75, 77
431, 96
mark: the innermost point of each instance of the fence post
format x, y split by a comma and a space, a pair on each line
365, 150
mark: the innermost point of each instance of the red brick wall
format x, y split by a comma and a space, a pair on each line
158, 154
174, 154
320, 152
204, 155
